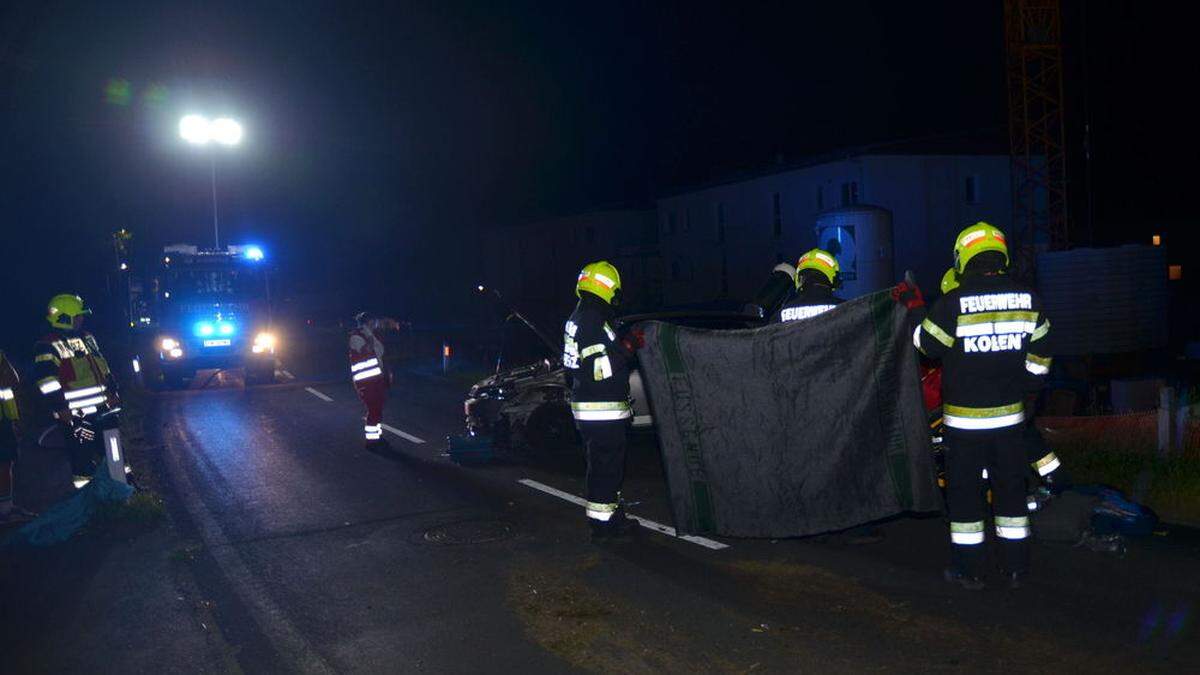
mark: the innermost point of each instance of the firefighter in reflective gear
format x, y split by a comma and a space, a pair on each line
817, 275
597, 366
989, 333
369, 373
10, 417
73, 379
1044, 462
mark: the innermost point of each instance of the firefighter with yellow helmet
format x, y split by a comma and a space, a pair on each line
74, 382
990, 333
10, 418
817, 275
1044, 461
597, 365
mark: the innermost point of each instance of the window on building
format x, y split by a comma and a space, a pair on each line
676, 272
776, 215
721, 222
971, 190
671, 223
724, 275
820, 198
849, 193
589, 234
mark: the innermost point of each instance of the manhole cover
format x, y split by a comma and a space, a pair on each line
469, 532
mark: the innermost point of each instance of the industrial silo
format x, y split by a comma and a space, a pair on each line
861, 238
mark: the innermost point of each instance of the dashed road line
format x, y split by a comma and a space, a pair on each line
401, 434
644, 522
318, 394
287, 374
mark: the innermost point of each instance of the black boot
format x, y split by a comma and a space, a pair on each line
1014, 580
968, 582
619, 527
378, 445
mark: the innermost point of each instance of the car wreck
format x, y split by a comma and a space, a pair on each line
528, 406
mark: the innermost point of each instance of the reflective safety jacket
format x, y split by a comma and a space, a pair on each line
69, 371
991, 336
366, 356
597, 363
9, 413
813, 300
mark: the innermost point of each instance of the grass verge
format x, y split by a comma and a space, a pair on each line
1169, 485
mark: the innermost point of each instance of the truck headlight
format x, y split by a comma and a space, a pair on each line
264, 342
168, 344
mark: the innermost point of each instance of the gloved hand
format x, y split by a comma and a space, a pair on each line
634, 339
83, 433
908, 294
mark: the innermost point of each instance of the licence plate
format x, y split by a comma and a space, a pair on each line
217, 343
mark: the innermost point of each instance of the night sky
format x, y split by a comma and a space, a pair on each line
379, 137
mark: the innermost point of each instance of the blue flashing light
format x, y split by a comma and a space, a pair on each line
253, 253
204, 329
225, 328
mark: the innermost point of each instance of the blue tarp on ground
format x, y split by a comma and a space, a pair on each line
64, 519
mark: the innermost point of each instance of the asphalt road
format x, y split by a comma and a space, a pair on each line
311, 554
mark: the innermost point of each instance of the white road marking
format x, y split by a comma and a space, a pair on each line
318, 394
287, 374
401, 434
284, 637
644, 522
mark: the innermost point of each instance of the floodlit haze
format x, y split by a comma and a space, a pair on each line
376, 139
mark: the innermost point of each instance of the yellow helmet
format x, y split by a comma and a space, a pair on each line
976, 239
949, 280
600, 279
63, 309
821, 261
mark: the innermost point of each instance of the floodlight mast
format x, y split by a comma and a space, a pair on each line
199, 130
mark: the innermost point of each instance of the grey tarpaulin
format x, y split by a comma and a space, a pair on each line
791, 429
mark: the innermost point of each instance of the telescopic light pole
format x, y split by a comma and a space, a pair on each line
199, 130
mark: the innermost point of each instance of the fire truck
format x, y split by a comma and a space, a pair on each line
211, 309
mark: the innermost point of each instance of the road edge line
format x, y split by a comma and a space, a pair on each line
284, 637
318, 394
651, 525
406, 436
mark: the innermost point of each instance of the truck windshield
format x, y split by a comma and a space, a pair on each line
215, 284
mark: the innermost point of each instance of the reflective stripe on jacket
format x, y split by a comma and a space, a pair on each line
70, 371
366, 355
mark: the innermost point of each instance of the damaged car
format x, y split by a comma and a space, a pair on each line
530, 405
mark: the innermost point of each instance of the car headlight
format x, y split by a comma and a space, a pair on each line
264, 342
168, 344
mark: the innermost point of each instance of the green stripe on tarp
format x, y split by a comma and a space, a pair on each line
668, 339
702, 500
687, 423
883, 309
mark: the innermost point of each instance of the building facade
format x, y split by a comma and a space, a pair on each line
536, 264
718, 243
